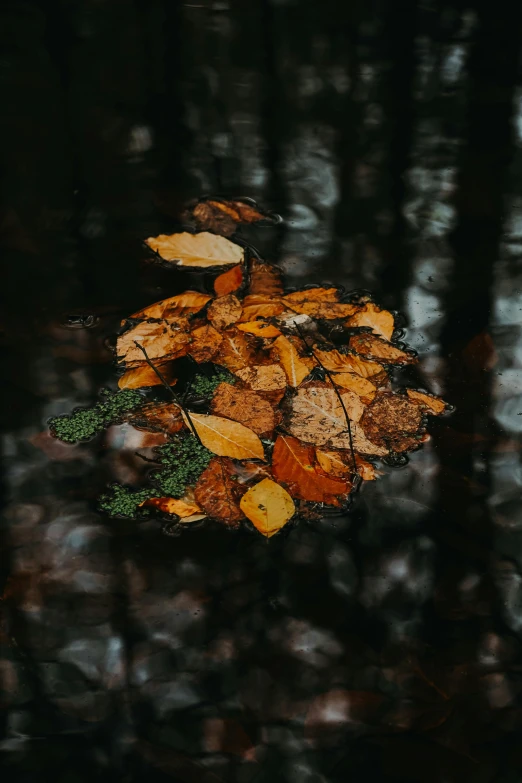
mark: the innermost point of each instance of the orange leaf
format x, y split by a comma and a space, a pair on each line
218, 494
226, 438
430, 403
293, 465
237, 350
365, 469
196, 250
380, 350
259, 328
337, 463
380, 321
335, 361
222, 215
145, 376
312, 295
253, 309
295, 366
181, 508
265, 279
185, 304
206, 343
244, 406
159, 338
268, 506
229, 281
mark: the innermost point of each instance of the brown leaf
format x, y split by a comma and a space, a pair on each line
237, 350
266, 378
185, 304
361, 386
159, 338
265, 279
429, 402
206, 342
293, 466
222, 215
181, 508
393, 421
158, 417
196, 250
296, 367
218, 494
316, 415
335, 361
373, 347
259, 328
145, 376
244, 406
323, 310
224, 311
229, 281
380, 321
308, 295
268, 506
226, 438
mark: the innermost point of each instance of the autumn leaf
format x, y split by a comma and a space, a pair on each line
296, 367
259, 328
237, 350
365, 469
323, 310
380, 321
217, 493
373, 347
226, 438
312, 295
185, 304
293, 466
265, 279
229, 281
358, 441
244, 406
145, 376
222, 216
159, 338
224, 311
393, 421
268, 506
196, 250
181, 508
267, 378
206, 342
361, 386
258, 307
430, 403
316, 414
335, 361
336, 463
158, 417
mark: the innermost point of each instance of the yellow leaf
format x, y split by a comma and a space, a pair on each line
259, 328
335, 361
296, 367
380, 321
356, 383
435, 405
268, 506
145, 376
184, 304
182, 508
160, 339
226, 438
200, 250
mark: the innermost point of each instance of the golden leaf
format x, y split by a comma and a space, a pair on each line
432, 404
196, 250
316, 414
229, 281
361, 386
159, 338
380, 321
295, 366
268, 506
259, 328
145, 376
226, 438
185, 304
224, 311
323, 310
337, 463
293, 465
206, 342
335, 361
253, 309
312, 295
373, 347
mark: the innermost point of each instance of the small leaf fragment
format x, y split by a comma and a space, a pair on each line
268, 506
181, 508
229, 281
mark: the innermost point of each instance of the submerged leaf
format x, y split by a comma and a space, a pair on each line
268, 506
226, 438
222, 215
224, 311
185, 304
229, 281
380, 321
218, 494
158, 417
196, 250
159, 338
293, 466
244, 406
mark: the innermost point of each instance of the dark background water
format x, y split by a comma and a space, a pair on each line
384, 645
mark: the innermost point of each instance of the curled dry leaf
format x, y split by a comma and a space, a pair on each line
265, 279
296, 367
244, 406
158, 417
145, 376
160, 339
229, 281
393, 421
237, 350
316, 415
380, 321
373, 347
259, 328
335, 361
206, 342
355, 383
224, 311
185, 304
218, 494
429, 402
268, 506
226, 438
181, 508
266, 378
293, 466
196, 250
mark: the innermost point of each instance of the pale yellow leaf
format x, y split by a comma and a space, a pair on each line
268, 506
226, 438
198, 250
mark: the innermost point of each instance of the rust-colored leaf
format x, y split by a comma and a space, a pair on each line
259, 328
224, 311
393, 421
265, 279
380, 321
206, 342
316, 415
159, 338
229, 281
185, 304
196, 250
268, 506
218, 494
158, 417
335, 361
266, 378
181, 508
237, 350
244, 406
296, 367
145, 376
429, 402
293, 466
361, 386
377, 349
226, 438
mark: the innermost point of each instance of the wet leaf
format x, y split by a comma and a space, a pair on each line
293, 466
196, 250
159, 338
217, 493
393, 421
323, 310
335, 361
429, 402
361, 386
266, 378
336, 463
259, 328
361, 444
158, 417
226, 438
224, 311
185, 304
229, 281
310, 295
265, 279
316, 415
237, 350
222, 216
268, 506
181, 508
380, 321
145, 376
296, 367
373, 347
206, 342
365, 469
244, 406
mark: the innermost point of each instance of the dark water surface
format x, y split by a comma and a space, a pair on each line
380, 646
